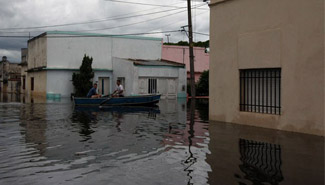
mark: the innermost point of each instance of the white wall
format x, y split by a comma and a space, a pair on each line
159, 71
68, 52
60, 81
147, 49
123, 68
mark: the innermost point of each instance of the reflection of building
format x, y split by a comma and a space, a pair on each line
9, 76
267, 64
180, 54
150, 77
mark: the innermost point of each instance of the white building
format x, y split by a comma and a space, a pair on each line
54, 56
150, 77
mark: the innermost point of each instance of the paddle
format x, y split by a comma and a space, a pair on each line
103, 102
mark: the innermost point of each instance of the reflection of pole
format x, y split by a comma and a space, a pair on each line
190, 37
191, 159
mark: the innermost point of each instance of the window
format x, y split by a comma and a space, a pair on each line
260, 90
32, 83
24, 81
152, 85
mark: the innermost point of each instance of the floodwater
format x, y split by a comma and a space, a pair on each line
51, 142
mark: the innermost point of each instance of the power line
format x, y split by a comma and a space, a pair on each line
146, 4
100, 29
78, 36
88, 22
202, 33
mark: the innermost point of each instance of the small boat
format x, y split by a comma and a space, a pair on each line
118, 101
119, 109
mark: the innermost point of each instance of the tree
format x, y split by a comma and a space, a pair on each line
202, 87
82, 80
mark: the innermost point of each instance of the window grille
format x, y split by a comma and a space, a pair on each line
152, 85
260, 90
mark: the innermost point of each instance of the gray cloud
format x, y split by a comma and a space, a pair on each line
31, 13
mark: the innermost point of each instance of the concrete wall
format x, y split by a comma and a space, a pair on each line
146, 49
126, 69
68, 52
37, 53
23, 75
287, 34
59, 82
40, 79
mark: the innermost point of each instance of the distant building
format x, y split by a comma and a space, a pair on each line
54, 56
267, 64
151, 77
180, 54
9, 76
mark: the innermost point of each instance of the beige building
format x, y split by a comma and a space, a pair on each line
267, 64
23, 65
9, 76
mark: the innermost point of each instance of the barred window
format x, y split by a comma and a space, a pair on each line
152, 85
260, 90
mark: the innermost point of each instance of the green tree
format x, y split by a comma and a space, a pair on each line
202, 87
82, 81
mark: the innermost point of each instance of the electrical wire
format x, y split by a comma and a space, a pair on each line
88, 22
78, 36
100, 29
146, 4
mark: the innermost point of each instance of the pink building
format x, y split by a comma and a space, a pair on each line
180, 54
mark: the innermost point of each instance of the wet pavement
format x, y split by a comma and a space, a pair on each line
51, 142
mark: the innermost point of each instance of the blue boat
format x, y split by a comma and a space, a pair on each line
118, 101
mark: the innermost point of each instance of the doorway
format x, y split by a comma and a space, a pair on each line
103, 85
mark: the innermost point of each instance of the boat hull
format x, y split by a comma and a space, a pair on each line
118, 101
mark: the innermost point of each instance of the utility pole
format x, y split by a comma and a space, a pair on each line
167, 35
190, 37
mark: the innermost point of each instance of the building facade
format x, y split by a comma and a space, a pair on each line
180, 54
9, 76
151, 77
54, 56
267, 64
23, 71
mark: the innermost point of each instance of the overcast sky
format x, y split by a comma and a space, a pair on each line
33, 17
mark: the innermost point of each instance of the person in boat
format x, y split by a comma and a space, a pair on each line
93, 92
119, 92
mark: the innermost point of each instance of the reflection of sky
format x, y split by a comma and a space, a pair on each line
55, 144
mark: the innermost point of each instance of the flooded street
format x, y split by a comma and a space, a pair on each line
51, 142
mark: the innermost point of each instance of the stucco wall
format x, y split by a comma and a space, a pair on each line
37, 53
39, 83
124, 68
260, 34
60, 81
181, 55
68, 52
146, 49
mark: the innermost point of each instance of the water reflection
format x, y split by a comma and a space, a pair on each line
261, 162
247, 155
53, 142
